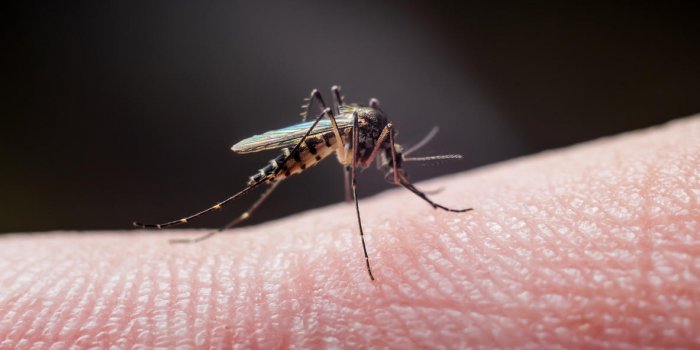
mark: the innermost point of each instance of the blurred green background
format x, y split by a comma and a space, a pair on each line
121, 110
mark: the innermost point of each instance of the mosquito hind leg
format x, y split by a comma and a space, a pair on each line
187, 219
245, 216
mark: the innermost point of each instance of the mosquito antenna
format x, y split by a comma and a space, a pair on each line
440, 157
422, 142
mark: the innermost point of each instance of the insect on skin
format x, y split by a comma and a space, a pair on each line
357, 134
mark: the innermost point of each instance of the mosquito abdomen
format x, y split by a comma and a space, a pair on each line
310, 152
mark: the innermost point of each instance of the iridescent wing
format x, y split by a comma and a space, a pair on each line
289, 136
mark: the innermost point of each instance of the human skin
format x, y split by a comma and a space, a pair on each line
593, 246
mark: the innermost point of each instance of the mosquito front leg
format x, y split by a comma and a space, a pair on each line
337, 99
353, 177
394, 163
399, 178
388, 130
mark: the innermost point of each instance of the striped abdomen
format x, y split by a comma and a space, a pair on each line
311, 151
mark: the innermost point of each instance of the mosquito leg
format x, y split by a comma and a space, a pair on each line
337, 102
233, 223
409, 186
337, 99
353, 177
200, 213
399, 178
378, 144
326, 112
314, 101
394, 158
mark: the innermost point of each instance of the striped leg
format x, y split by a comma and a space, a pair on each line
200, 213
245, 216
337, 102
314, 101
326, 112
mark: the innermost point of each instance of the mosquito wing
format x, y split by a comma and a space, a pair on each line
290, 135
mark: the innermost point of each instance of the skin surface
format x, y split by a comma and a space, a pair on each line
597, 245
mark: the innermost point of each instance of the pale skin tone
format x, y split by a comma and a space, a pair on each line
597, 245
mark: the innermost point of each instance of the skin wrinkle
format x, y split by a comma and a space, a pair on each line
10, 308
126, 309
147, 293
663, 259
472, 259
162, 303
384, 315
430, 304
202, 315
87, 322
109, 297
133, 311
597, 271
184, 278
564, 250
13, 308
31, 322
117, 309
75, 296
54, 292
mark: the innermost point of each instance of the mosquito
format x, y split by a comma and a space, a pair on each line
358, 135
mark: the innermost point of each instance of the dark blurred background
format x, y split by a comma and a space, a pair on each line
122, 110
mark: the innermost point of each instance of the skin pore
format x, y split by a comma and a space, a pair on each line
596, 245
